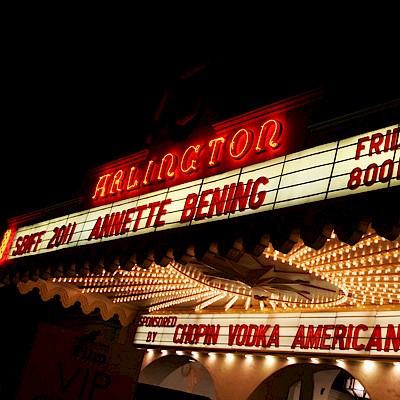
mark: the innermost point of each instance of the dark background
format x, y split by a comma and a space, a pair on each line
81, 89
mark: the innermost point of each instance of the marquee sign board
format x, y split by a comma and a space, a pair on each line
362, 163
375, 333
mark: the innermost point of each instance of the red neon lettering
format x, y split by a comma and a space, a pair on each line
101, 186
276, 129
167, 170
132, 182
215, 145
189, 159
160, 169
116, 185
237, 142
147, 177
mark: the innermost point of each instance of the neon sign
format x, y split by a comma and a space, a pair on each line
194, 161
258, 136
311, 175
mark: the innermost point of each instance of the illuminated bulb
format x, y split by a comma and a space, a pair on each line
231, 302
368, 363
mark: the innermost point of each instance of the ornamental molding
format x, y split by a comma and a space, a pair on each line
70, 294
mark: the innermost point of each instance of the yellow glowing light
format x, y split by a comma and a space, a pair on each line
365, 275
4, 242
369, 364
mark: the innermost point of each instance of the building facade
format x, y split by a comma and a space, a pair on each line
255, 258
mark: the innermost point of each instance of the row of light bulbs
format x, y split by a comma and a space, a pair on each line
270, 357
366, 274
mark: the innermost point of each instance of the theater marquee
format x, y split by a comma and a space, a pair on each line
358, 164
375, 333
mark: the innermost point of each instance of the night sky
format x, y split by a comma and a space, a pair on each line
79, 95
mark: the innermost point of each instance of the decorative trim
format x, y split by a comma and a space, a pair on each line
70, 294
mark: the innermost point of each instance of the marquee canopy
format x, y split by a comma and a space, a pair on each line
297, 229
